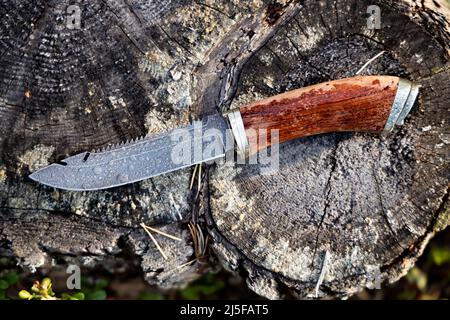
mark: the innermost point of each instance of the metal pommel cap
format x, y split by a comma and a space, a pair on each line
407, 93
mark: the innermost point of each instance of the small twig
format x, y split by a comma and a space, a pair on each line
199, 178
369, 62
172, 200
322, 272
186, 264
206, 245
201, 240
161, 232
154, 241
193, 176
194, 237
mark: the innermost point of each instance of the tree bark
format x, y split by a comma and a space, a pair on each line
368, 203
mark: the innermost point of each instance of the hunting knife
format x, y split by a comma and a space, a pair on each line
360, 104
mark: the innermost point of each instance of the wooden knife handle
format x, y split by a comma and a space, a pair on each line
361, 104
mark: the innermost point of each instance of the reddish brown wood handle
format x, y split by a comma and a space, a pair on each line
355, 104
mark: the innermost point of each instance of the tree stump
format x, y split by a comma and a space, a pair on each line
343, 212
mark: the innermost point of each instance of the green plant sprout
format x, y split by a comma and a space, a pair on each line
6, 281
42, 290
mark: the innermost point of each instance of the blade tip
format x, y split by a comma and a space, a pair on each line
34, 176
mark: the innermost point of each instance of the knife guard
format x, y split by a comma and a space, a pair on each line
359, 104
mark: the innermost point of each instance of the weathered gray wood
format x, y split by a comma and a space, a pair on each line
371, 202
143, 66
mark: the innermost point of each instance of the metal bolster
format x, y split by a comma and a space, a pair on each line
407, 93
237, 126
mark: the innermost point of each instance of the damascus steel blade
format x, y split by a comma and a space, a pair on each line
202, 141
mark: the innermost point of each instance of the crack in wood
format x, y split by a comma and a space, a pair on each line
327, 198
383, 211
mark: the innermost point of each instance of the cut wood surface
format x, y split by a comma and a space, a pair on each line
369, 203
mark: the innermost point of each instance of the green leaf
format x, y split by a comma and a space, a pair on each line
66, 296
210, 289
3, 295
78, 296
24, 294
190, 293
96, 295
3, 284
418, 277
75, 296
151, 296
205, 286
101, 283
11, 277
440, 255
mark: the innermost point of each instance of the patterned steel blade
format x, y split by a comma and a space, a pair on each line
147, 157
